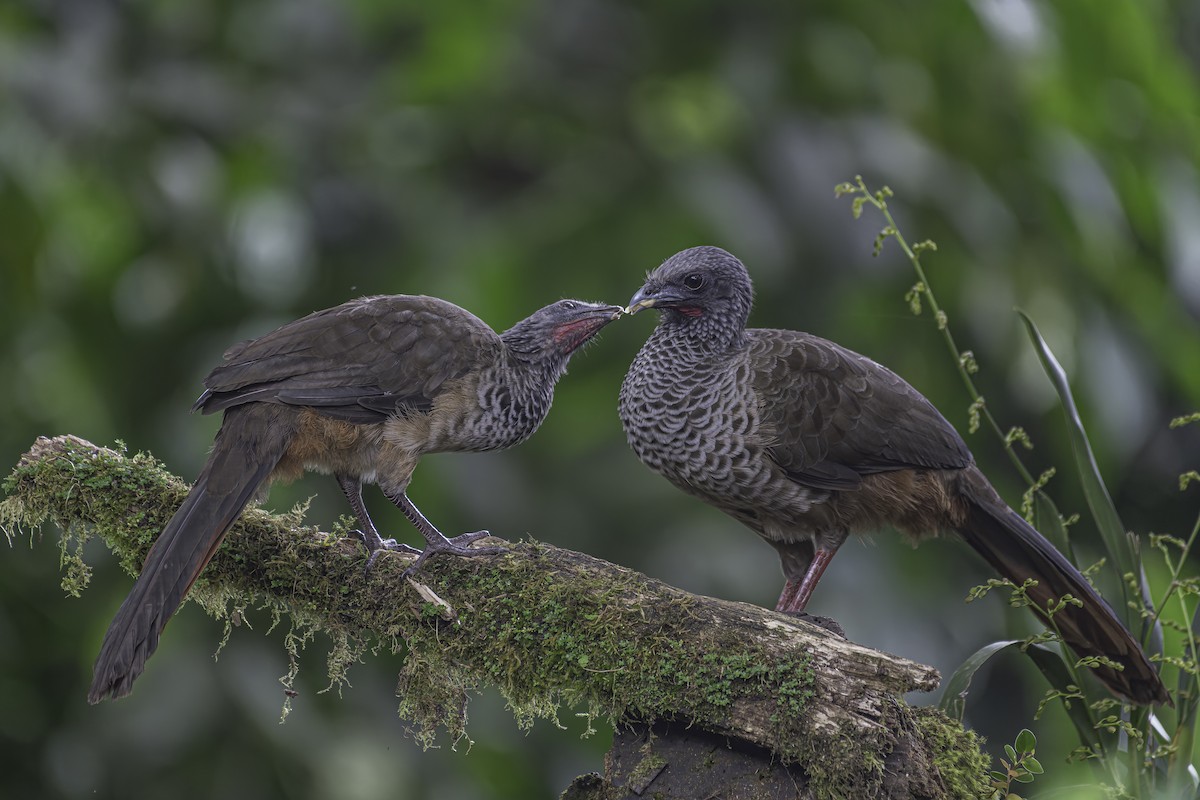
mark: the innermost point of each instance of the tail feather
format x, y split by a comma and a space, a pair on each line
226, 484
1018, 552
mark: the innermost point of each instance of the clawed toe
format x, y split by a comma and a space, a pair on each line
462, 540
377, 545
456, 546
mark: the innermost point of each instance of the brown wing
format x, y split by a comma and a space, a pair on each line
832, 415
362, 361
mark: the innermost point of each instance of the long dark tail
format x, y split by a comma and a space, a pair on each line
1017, 551
244, 454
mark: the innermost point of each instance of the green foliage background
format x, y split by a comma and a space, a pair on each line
176, 177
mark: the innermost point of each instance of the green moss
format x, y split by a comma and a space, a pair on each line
957, 754
845, 763
547, 635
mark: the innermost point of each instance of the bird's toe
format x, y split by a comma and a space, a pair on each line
462, 540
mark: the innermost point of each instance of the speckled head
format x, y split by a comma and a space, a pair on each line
704, 291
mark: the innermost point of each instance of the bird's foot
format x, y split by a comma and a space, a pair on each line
376, 544
456, 546
828, 623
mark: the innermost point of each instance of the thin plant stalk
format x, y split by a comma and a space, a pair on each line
979, 405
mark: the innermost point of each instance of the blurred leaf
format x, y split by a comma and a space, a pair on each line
1052, 666
954, 697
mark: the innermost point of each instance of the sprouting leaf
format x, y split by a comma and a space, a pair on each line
967, 361
913, 297
975, 414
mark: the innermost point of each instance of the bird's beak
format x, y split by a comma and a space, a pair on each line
643, 299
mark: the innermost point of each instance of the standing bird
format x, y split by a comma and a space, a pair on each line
362, 391
806, 442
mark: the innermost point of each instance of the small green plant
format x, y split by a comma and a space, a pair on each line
1140, 752
1020, 766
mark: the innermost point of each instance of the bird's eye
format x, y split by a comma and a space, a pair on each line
569, 305
694, 281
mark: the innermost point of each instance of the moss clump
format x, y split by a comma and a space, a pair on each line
957, 754
846, 763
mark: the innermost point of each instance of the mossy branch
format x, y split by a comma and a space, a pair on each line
545, 626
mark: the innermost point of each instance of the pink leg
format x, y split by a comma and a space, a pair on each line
795, 594
788, 595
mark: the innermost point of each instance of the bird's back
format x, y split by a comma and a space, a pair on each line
362, 361
831, 415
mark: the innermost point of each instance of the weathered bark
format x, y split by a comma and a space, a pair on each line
706, 693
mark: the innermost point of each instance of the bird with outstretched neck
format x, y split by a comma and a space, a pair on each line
806, 442
360, 391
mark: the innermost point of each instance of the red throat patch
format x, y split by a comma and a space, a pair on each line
690, 311
571, 335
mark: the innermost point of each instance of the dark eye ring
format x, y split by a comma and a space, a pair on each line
693, 282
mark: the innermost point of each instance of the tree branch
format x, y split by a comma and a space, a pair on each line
546, 627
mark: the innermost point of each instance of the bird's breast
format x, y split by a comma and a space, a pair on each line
696, 423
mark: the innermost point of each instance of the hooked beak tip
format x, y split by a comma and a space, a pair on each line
640, 301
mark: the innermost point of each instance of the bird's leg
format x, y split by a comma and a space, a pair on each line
435, 541
375, 544
796, 594
788, 596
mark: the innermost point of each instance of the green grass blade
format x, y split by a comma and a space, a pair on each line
1112, 530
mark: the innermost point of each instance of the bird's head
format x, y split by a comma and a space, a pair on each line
704, 291
553, 333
